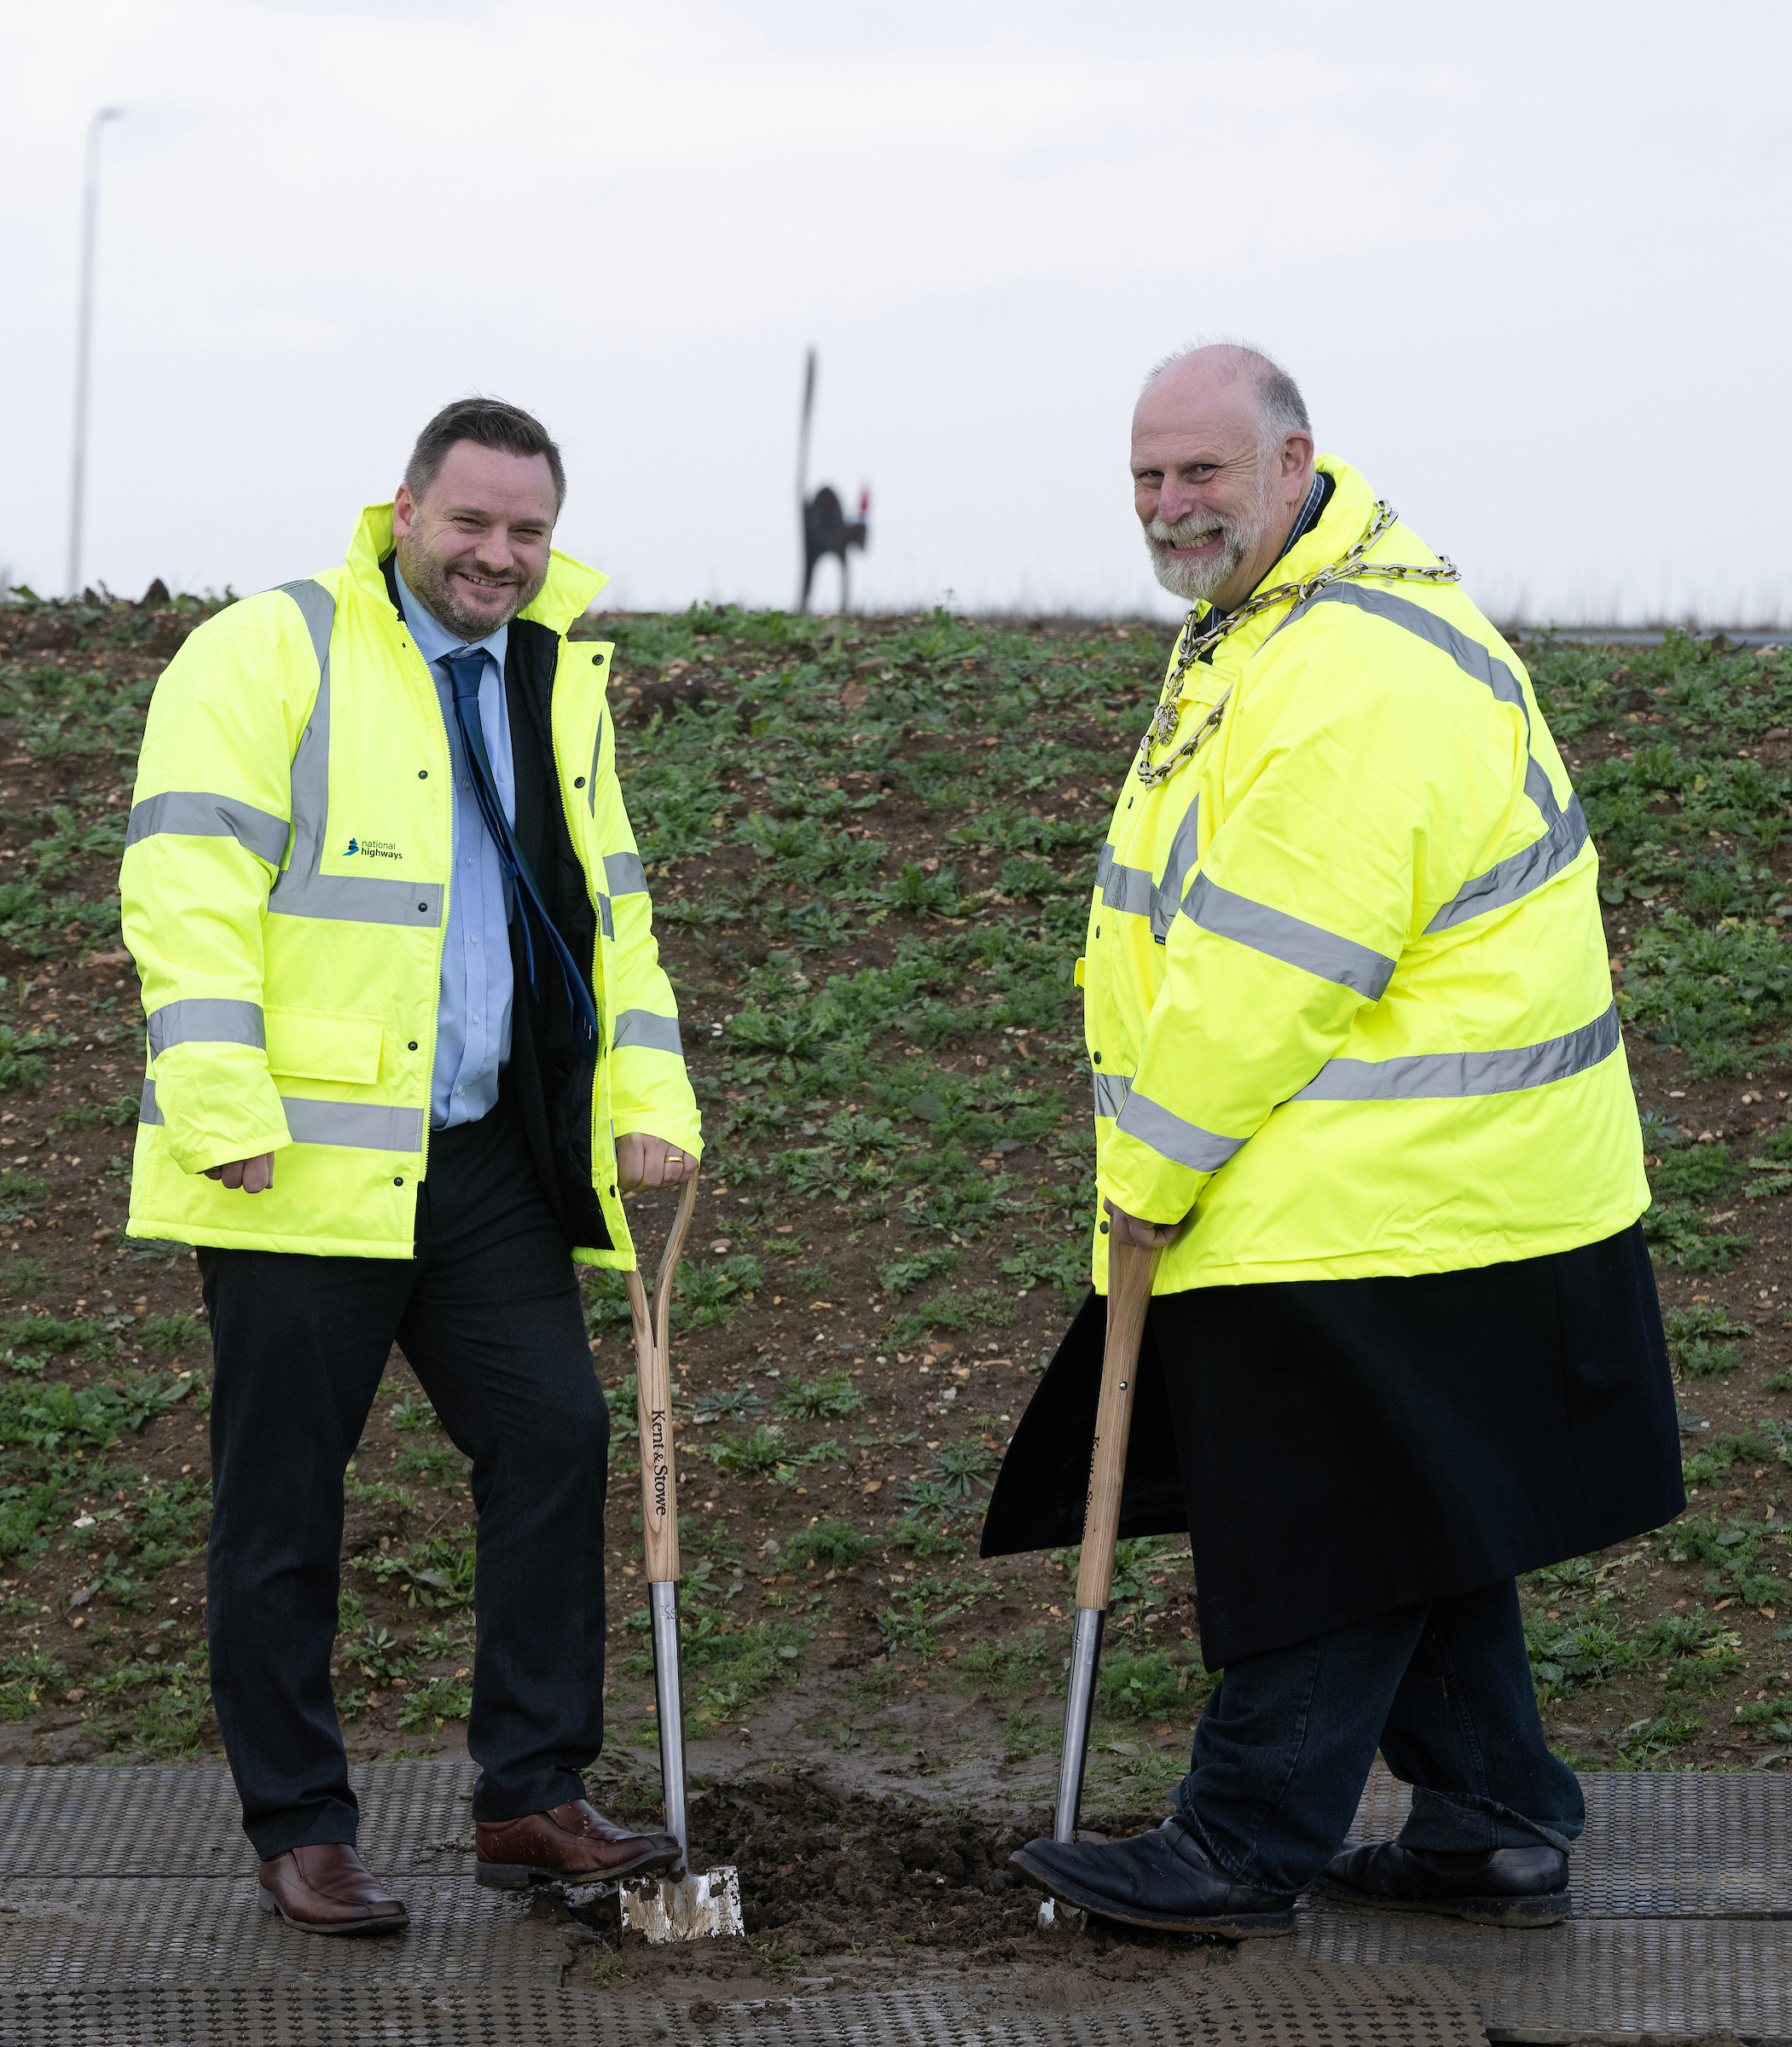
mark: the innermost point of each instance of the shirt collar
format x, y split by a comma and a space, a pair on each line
434, 641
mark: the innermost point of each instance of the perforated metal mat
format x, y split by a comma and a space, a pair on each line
1680, 1847
85, 1820
1295, 2005
128, 1918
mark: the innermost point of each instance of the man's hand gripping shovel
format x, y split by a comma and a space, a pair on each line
1130, 1273
679, 1907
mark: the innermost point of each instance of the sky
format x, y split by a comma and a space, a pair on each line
1527, 261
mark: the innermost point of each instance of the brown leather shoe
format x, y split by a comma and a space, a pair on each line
327, 1888
572, 1842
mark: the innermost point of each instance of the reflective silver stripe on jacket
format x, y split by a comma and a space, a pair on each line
207, 1020
1131, 889
1111, 1090
597, 747
193, 814
356, 1126
1520, 872
1564, 832
1127, 889
1184, 850
1450, 1075
1186, 1143
302, 889
1292, 940
641, 1027
604, 916
625, 874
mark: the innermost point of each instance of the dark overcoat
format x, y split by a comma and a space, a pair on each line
1336, 1448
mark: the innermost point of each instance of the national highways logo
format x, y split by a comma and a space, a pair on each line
373, 849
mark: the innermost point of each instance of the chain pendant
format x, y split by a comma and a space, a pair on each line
1192, 645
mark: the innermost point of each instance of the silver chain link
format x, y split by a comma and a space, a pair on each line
1192, 645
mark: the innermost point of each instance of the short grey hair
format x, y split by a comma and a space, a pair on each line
1281, 410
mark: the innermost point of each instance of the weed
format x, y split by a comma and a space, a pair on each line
961, 1465
724, 1403
903, 1275
829, 1541
708, 1295
756, 1454
436, 1702
441, 1463
1006, 1666
20, 1194
117, 1115
1133, 1683
415, 1414
925, 1539
825, 1398
1681, 1235
436, 1572
167, 1335
24, 1681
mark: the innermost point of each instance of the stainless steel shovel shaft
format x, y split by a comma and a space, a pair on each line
1079, 1700
663, 1614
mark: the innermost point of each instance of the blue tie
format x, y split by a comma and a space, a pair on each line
465, 672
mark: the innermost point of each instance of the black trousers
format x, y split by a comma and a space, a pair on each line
488, 1313
1442, 1688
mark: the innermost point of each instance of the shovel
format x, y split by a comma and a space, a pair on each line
1130, 1273
682, 1906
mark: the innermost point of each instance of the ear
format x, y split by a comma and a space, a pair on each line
1296, 454
404, 510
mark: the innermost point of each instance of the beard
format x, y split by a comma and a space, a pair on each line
1238, 538
432, 586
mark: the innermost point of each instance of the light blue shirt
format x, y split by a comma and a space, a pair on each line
472, 1021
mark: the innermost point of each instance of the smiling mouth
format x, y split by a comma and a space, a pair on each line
482, 582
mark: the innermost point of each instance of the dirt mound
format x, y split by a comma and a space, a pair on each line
864, 1892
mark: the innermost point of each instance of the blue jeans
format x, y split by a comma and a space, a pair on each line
1443, 1689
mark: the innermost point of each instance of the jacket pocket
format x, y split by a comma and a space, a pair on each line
324, 1045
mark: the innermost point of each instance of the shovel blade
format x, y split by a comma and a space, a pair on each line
690, 1908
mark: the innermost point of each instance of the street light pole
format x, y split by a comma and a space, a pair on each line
83, 340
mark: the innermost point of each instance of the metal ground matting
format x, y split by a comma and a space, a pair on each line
128, 1919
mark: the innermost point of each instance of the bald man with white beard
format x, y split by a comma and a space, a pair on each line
1360, 1081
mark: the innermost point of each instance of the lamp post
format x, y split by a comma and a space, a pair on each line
84, 339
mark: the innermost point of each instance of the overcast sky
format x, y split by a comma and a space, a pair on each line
1527, 261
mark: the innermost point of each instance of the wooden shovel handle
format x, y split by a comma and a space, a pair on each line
653, 1397
1130, 1273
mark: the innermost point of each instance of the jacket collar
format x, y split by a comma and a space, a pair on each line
568, 591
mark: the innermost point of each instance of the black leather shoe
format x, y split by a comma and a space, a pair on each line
1163, 1880
1489, 1886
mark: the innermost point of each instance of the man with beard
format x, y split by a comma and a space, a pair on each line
409, 1039
1360, 1079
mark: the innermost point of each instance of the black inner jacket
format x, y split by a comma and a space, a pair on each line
548, 1079
1339, 1447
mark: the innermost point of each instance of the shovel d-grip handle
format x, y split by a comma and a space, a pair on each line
1131, 1272
659, 1504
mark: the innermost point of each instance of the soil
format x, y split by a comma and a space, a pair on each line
870, 1795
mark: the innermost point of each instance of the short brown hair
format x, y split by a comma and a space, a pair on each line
489, 423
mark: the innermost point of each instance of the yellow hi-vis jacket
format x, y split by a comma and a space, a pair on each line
1348, 995
285, 889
